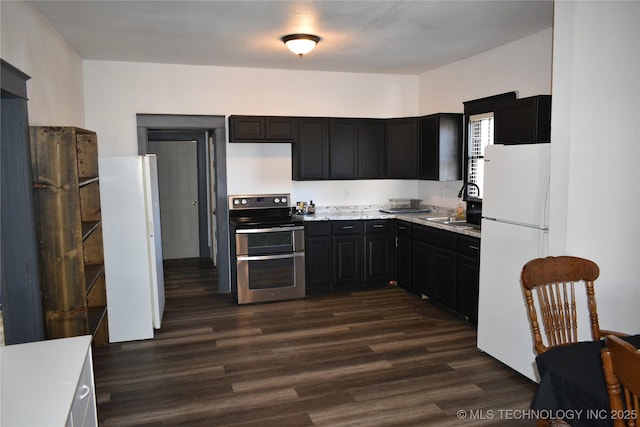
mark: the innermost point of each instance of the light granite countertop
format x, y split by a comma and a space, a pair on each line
343, 213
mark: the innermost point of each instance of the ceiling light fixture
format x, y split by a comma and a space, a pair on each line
300, 44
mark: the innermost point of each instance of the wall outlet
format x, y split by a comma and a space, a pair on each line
347, 194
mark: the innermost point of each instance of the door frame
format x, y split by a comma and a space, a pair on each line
210, 126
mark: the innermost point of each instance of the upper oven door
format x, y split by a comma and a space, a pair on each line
271, 240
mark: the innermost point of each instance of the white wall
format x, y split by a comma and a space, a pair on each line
595, 149
523, 66
30, 43
116, 91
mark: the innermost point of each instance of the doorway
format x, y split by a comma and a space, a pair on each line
176, 132
180, 205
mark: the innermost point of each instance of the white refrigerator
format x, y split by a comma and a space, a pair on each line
515, 212
132, 246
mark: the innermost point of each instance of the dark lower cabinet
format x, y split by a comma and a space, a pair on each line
434, 263
440, 264
468, 277
443, 276
348, 255
421, 271
318, 256
403, 255
379, 248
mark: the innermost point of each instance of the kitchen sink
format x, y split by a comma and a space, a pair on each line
452, 221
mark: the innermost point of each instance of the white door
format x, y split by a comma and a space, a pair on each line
178, 185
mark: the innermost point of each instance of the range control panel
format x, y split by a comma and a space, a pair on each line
259, 201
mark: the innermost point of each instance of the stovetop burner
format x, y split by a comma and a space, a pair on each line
261, 210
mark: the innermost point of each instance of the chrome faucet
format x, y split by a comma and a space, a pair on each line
464, 187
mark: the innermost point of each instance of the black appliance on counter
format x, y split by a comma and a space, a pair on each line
267, 249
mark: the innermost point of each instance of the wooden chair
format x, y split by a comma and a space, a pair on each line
621, 366
554, 280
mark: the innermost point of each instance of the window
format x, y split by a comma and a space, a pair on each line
479, 134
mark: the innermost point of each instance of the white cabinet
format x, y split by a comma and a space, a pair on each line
54, 376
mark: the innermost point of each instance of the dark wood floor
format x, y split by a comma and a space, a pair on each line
371, 358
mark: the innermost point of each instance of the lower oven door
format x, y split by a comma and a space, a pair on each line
262, 278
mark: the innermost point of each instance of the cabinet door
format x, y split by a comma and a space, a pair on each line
421, 267
379, 249
371, 148
343, 148
441, 147
280, 129
347, 254
403, 263
246, 128
347, 261
402, 148
318, 257
523, 121
468, 277
310, 155
444, 276
468, 285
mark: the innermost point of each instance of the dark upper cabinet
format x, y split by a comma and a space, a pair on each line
371, 147
523, 121
262, 129
402, 148
310, 154
343, 148
441, 147
356, 147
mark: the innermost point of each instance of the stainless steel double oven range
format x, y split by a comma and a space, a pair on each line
267, 249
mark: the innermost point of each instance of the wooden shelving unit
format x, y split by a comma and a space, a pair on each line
66, 190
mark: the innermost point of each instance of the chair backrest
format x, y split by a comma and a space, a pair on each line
554, 280
621, 366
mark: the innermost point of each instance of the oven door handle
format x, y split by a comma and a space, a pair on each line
268, 230
269, 257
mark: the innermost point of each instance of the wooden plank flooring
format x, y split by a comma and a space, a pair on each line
376, 358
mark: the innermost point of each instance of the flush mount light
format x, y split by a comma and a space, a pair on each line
300, 44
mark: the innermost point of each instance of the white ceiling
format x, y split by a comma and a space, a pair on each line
397, 37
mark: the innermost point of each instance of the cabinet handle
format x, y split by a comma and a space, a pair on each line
378, 226
84, 391
473, 247
347, 227
401, 227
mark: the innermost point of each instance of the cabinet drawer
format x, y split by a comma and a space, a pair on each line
320, 228
436, 237
347, 227
403, 229
377, 226
469, 246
